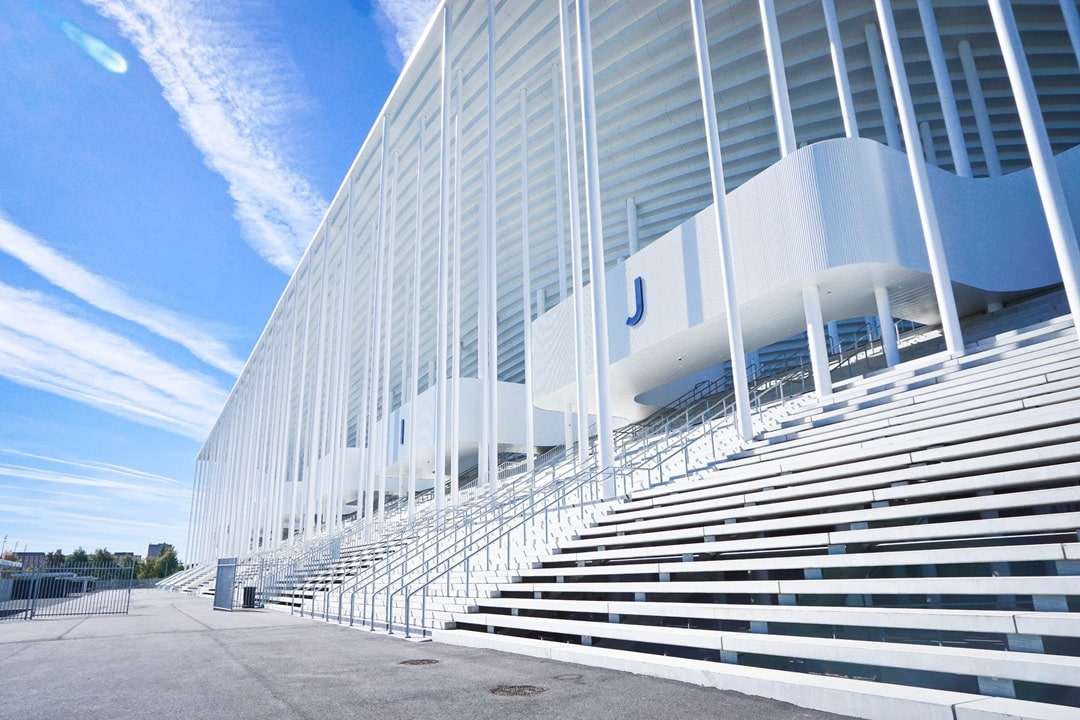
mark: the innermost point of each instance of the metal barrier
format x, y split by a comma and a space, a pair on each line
67, 592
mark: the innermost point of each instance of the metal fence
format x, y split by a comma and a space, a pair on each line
64, 592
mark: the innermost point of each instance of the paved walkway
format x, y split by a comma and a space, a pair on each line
174, 657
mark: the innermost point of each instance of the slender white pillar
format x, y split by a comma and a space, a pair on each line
785, 126
580, 339
953, 128
455, 401
1058, 218
560, 219
927, 136
978, 107
414, 371
939, 268
888, 327
632, 244
444, 281
376, 344
492, 373
297, 469
843, 85
526, 284
316, 489
597, 270
1072, 24
743, 423
881, 83
815, 336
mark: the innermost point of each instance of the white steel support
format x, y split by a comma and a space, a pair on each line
953, 128
455, 374
881, 84
560, 219
526, 283
315, 424
1062, 230
888, 327
491, 375
577, 280
296, 512
843, 85
384, 375
785, 126
444, 281
632, 242
1072, 25
815, 336
414, 365
376, 343
605, 439
978, 107
939, 268
743, 422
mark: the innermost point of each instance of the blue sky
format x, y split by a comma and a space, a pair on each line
163, 164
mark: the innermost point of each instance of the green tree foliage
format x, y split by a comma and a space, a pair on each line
9, 555
103, 558
55, 559
163, 566
78, 556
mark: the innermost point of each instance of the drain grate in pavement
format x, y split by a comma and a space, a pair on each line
517, 690
419, 661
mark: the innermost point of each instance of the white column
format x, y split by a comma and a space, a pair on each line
927, 136
492, 371
815, 336
1062, 230
597, 276
376, 343
444, 250
843, 85
978, 107
1072, 24
297, 512
560, 219
526, 284
580, 339
888, 327
414, 370
939, 268
316, 440
953, 128
743, 423
632, 245
785, 126
881, 83
455, 401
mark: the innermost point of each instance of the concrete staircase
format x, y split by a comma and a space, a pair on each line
904, 548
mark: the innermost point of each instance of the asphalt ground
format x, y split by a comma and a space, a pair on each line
173, 656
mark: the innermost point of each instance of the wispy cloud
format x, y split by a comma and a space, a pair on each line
105, 295
42, 346
233, 97
406, 20
52, 502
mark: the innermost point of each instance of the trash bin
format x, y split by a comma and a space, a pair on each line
249, 597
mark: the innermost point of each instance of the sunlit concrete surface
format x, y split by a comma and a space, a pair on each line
174, 657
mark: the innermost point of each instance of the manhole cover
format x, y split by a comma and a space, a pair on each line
419, 661
517, 690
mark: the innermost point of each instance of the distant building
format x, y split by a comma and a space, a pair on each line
121, 555
153, 551
31, 560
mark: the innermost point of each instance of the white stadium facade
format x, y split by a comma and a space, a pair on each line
571, 219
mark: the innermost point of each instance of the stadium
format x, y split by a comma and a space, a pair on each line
731, 342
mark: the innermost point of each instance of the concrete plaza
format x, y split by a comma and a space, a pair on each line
174, 657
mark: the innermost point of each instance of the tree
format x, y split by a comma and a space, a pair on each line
166, 563
78, 556
55, 559
103, 558
9, 555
